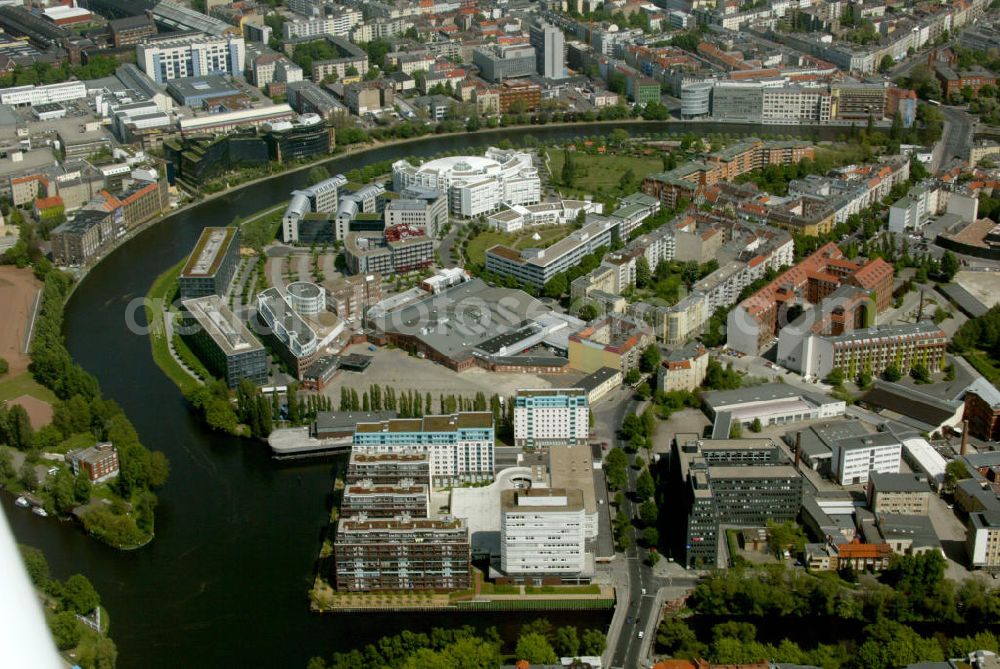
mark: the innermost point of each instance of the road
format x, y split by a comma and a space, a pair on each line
956, 137
447, 242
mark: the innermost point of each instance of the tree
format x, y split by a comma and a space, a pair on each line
678, 639
954, 472
949, 266
36, 565
568, 168
891, 373
643, 275
317, 174
645, 487
593, 642
66, 630
651, 536
735, 431
588, 312
632, 376
567, 642
79, 595
4, 366
920, 373
886, 63
650, 358
755, 426
535, 648
18, 428
835, 377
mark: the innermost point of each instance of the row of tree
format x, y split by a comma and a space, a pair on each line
65, 600
538, 642
912, 589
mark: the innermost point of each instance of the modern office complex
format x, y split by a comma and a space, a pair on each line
551, 417
460, 445
731, 482
416, 207
536, 267
212, 264
192, 55
222, 342
395, 250
321, 197
504, 61
298, 325
400, 554
475, 184
542, 533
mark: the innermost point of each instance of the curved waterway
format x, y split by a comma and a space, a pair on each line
224, 583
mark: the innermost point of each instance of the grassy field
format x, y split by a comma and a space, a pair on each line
597, 173
981, 361
162, 291
521, 239
24, 384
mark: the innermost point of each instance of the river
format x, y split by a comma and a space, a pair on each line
225, 581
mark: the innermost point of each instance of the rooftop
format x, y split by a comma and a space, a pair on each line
222, 325
209, 252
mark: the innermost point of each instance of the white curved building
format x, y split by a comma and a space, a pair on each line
475, 184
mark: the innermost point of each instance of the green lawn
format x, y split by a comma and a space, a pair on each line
597, 173
522, 239
163, 289
24, 384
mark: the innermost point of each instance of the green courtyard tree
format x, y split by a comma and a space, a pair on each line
650, 358
645, 487
535, 648
593, 642
567, 642
949, 266
643, 275
568, 168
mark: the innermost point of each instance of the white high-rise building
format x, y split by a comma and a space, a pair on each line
191, 56
551, 417
542, 532
549, 43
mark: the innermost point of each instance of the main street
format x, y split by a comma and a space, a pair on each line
646, 591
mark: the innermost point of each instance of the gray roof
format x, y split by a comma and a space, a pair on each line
333, 420
818, 440
459, 319
595, 379
762, 393
901, 482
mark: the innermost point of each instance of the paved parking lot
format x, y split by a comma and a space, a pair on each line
985, 286
393, 367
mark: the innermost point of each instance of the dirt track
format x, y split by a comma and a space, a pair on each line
18, 290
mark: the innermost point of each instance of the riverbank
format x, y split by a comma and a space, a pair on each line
163, 342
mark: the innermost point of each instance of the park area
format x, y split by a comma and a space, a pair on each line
522, 239
597, 174
18, 299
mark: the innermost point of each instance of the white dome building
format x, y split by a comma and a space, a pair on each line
475, 184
